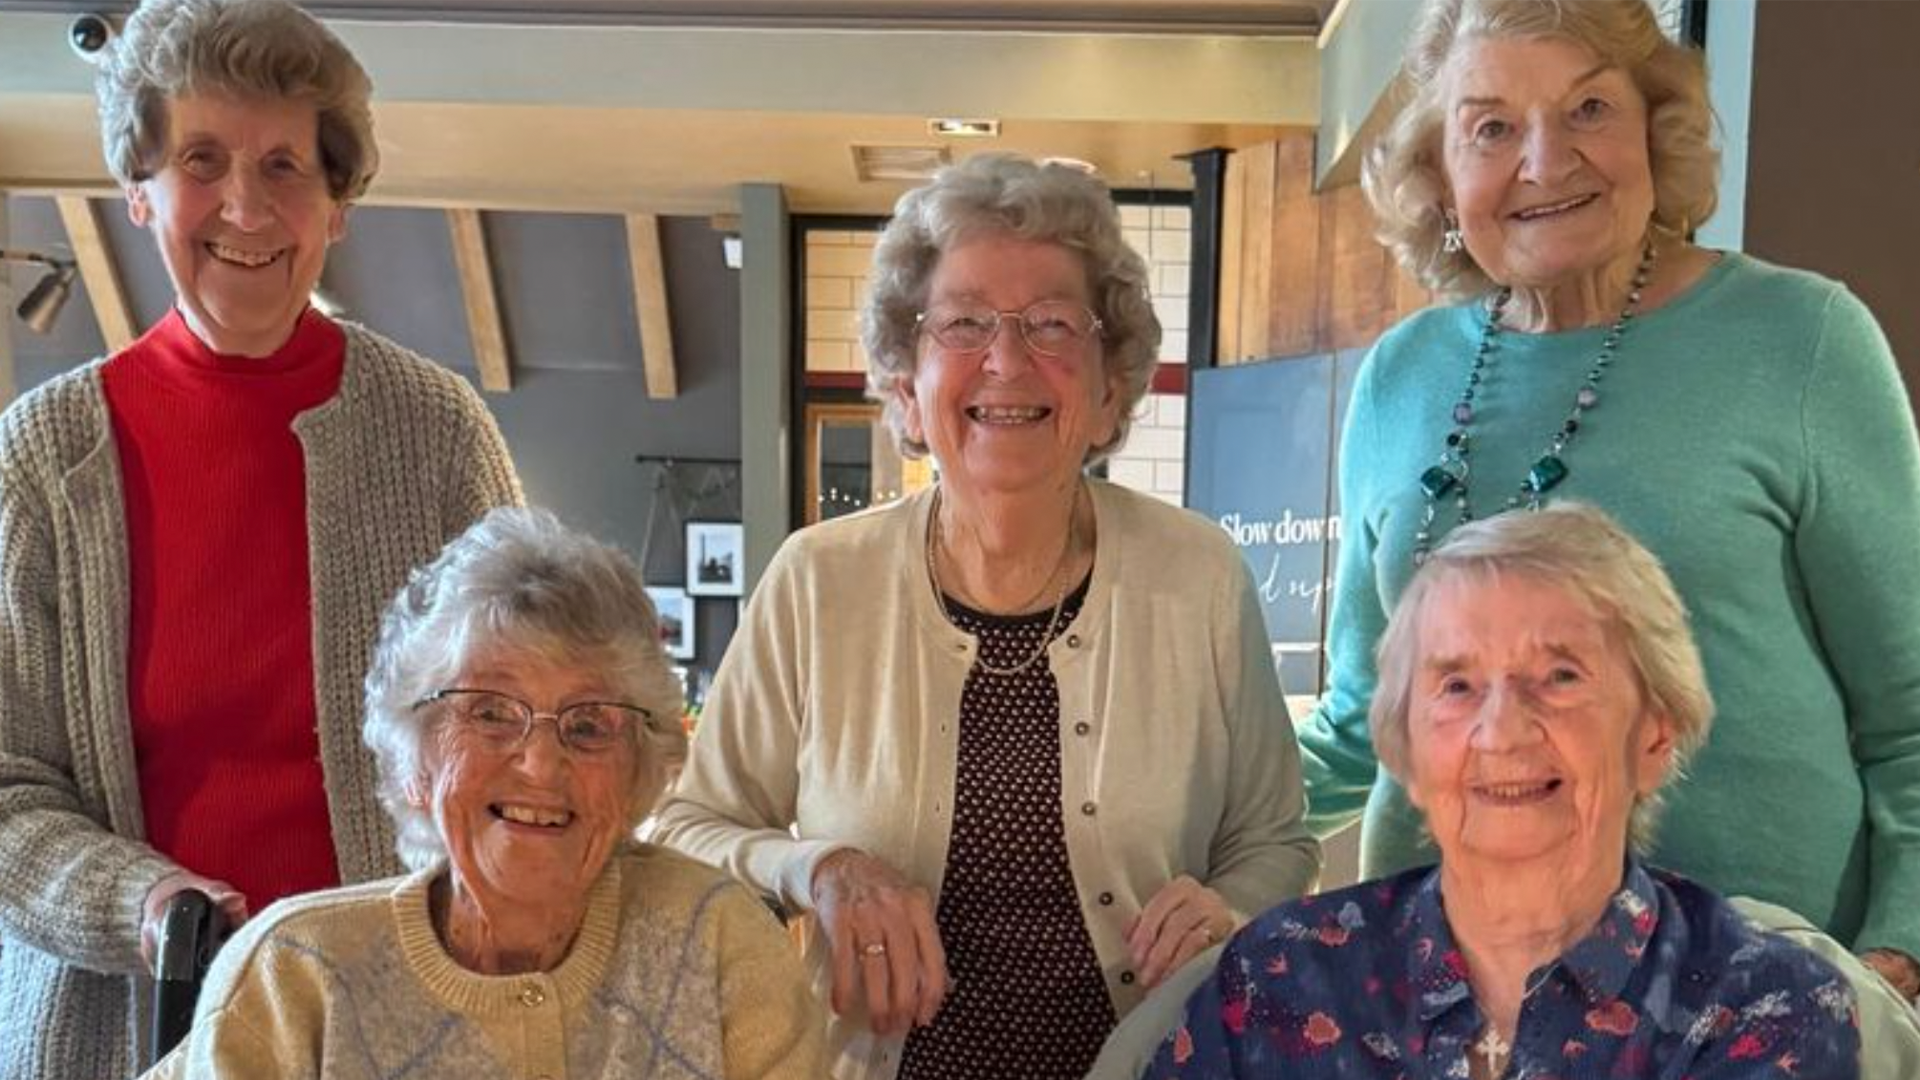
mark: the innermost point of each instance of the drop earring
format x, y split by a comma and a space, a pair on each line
1451, 241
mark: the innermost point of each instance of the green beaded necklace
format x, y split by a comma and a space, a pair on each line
1448, 476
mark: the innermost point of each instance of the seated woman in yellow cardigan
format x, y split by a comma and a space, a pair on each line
524, 720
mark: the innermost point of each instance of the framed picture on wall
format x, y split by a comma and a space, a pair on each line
675, 609
716, 558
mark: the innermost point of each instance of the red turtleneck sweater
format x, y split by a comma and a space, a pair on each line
220, 677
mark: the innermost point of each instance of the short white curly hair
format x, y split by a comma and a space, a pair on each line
1006, 194
520, 581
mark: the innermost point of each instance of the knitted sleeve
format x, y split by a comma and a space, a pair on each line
736, 800
479, 473
1856, 550
68, 886
771, 1025
1261, 851
1335, 744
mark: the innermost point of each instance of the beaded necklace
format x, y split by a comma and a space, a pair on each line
1448, 476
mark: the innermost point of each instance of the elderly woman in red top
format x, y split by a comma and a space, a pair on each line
197, 535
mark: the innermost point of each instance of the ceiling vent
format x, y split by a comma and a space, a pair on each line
911, 164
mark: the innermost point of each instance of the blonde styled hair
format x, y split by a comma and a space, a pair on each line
1581, 550
252, 50
1404, 175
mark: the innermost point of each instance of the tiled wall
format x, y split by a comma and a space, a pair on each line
836, 287
1154, 459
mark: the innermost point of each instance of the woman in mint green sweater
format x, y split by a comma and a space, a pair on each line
1745, 421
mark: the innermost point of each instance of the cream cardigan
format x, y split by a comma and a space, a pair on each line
676, 974
832, 723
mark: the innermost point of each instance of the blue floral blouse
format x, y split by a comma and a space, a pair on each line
1367, 983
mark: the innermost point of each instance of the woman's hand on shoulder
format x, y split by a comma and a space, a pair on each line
1183, 920
886, 946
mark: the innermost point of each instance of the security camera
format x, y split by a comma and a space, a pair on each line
89, 35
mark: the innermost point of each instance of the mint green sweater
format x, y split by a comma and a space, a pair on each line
1755, 434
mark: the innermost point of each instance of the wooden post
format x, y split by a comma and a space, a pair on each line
483, 306
650, 304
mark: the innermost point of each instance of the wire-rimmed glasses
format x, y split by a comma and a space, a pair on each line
1050, 327
506, 723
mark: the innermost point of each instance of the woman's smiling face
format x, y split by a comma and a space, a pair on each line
535, 823
1528, 733
1007, 417
1546, 159
239, 205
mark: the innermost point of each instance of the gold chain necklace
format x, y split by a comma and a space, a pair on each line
1059, 600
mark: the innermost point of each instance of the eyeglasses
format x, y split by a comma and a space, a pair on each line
505, 722
1050, 327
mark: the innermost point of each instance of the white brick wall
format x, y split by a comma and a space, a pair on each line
836, 285
1154, 459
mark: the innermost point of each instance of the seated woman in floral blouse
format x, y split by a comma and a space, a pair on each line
1538, 687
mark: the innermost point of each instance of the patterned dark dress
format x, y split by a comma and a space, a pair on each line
1028, 999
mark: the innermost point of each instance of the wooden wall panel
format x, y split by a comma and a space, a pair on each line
1301, 272
1294, 323
1256, 251
1233, 205
1358, 274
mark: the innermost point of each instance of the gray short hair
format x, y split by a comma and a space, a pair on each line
1005, 194
1580, 549
247, 49
1403, 171
516, 579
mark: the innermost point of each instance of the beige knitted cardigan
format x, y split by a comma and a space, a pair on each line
399, 461
676, 973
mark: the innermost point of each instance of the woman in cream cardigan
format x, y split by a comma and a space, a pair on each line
534, 937
1015, 767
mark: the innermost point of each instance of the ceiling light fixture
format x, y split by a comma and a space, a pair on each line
43, 302
954, 127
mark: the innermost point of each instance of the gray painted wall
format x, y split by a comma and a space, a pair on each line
578, 416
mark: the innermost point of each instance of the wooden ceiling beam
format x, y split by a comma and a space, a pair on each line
482, 302
98, 271
650, 305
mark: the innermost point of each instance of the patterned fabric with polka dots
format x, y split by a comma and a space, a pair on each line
1028, 998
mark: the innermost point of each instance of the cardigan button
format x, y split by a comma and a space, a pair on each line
1082, 728
1073, 641
532, 996
1106, 899
1126, 978
1087, 808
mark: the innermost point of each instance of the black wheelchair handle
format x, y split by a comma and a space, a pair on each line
191, 930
